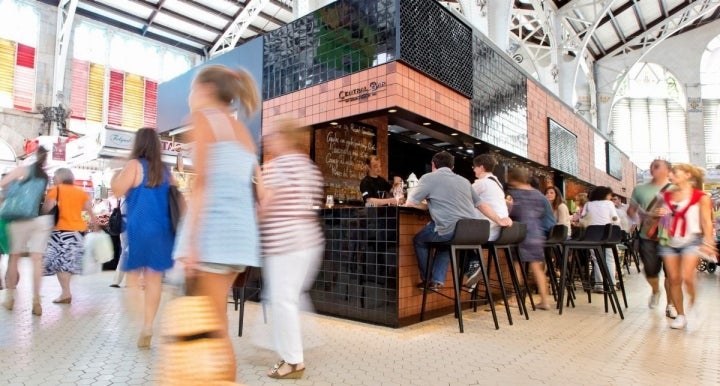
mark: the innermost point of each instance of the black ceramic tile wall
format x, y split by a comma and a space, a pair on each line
359, 275
436, 43
499, 101
337, 40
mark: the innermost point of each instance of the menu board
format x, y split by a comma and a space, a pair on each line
340, 153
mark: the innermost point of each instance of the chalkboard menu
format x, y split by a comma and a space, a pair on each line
563, 149
340, 153
614, 161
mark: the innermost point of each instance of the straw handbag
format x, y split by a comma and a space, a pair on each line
190, 353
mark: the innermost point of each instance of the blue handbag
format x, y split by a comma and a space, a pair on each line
22, 200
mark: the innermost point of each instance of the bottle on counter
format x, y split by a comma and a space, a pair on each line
412, 182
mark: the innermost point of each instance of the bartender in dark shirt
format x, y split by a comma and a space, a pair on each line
373, 184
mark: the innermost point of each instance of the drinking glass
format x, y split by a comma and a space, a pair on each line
398, 194
329, 201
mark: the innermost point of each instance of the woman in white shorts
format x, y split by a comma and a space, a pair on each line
27, 236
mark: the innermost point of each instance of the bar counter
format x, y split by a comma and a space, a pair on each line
369, 271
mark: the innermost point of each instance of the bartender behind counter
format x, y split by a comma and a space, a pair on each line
373, 185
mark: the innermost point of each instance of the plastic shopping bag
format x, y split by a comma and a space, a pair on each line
98, 251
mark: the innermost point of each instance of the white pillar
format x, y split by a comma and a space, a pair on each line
564, 62
476, 14
65, 17
498, 22
547, 75
606, 76
695, 126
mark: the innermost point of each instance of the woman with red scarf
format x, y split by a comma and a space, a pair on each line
687, 220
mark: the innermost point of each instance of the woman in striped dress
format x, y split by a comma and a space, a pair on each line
292, 239
219, 237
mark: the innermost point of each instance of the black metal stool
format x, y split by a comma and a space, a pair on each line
596, 236
509, 239
470, 235
553, 253
612, 242
631, 254
240, 293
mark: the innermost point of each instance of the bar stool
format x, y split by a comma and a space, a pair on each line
553, 253
240, 293
631, 255
612, 242
470, 235
596, 236
508, 240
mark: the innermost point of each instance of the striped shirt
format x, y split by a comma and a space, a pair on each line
288, 221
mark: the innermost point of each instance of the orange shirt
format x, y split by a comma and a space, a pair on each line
71, 204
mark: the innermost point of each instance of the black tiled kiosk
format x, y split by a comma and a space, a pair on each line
369, 270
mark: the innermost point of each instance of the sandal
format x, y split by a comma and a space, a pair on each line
294, 373
66, 300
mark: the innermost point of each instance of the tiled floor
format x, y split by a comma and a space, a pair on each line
91, 342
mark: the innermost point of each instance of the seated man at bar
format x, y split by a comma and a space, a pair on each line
375, 190
493, 206
450, 197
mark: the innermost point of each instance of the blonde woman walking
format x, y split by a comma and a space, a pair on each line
687, 212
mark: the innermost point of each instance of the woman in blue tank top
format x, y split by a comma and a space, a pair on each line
145, 182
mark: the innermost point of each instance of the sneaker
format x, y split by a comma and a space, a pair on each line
598, 289
654, 300
671, 312
679, 323
473, 277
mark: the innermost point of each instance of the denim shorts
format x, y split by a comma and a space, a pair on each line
691, 248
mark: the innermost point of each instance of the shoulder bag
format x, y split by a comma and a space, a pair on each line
115, 222
23, 198
55, 211
651, 222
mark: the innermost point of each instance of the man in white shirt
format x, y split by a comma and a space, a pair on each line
493, 206
625, 221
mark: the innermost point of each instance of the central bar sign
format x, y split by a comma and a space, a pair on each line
364, 92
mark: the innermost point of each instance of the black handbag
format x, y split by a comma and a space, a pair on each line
177, 205
55, 211
115, 222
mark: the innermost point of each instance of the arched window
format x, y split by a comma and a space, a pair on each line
648, 118
19, 25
